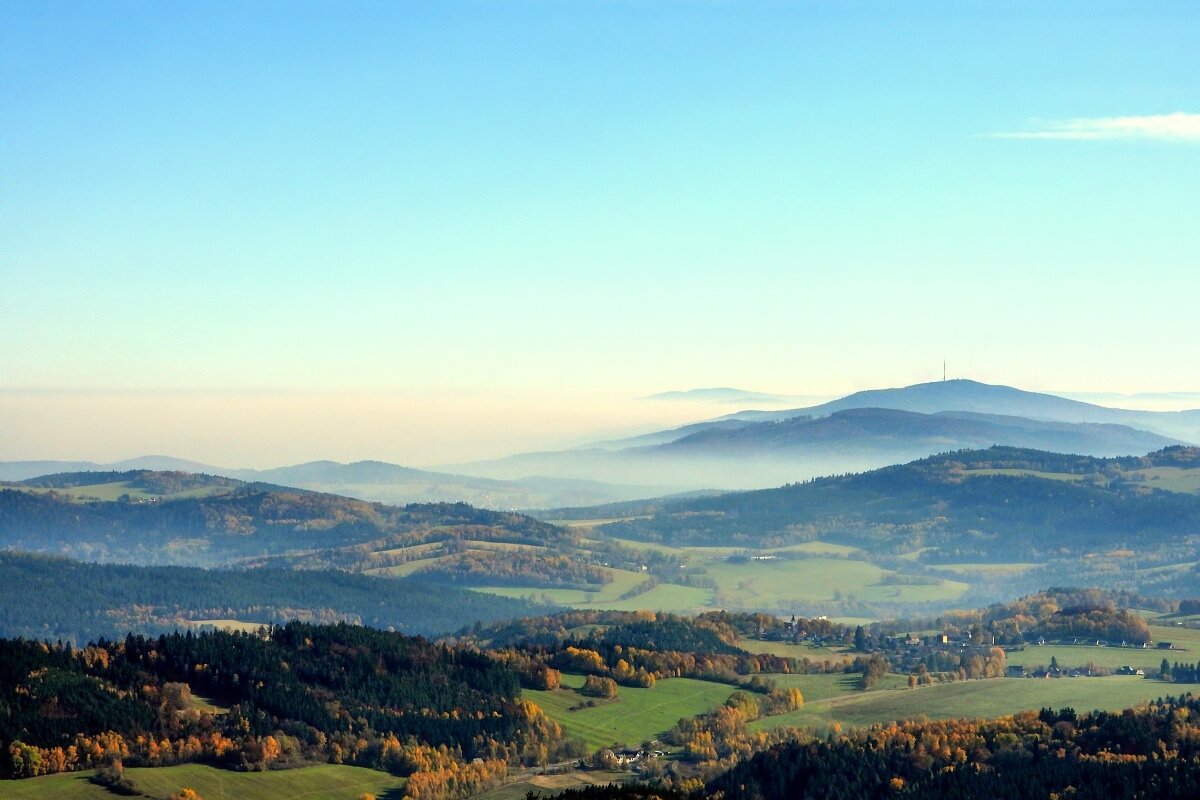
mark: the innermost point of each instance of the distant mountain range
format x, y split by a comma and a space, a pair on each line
744, 450
377, 481
727, 395
865, 430
983, 398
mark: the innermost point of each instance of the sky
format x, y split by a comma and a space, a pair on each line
255, 233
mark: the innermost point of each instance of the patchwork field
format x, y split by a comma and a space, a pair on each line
1172, 479
790, 650
635, 715
322, 782
115, 489
983, 699
224, 624
824, 687
775, 584
751, 584
552, 784
721, 553
985, 569
1054, 476
1185, 640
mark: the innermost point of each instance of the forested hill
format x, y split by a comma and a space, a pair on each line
80, 602
997, 504
178, 518
299, 693
908, 434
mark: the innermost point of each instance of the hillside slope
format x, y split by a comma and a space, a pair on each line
213, 521
1000, 504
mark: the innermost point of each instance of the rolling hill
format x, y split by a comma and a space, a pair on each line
375, 481
146, 517
761, 449
994, 505
80, 602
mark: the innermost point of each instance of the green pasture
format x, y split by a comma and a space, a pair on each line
836, 684
721, 553
225, 624
667, 597
603, 597
477, 544
592, 523
634, 715
774, 584
407, 568
789, 650
113, 490
1172, 479
984, 699
1033, 473
411, 550
991, 570
553, 784
322, 782
1185, 640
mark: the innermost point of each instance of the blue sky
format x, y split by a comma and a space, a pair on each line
595, 199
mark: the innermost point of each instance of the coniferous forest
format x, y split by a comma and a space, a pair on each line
339, 693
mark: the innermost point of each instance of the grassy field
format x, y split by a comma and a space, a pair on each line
113, 490
225, 624
635, 715
790, 650
983, 699
1186, 641
412, 549
206, 705
775, 584
1054, 476
592, 523
606, 595
508, 547
667, 597
721, 553
552, 784
824, 687
986, 569
1173, 479
323, 782
407, 568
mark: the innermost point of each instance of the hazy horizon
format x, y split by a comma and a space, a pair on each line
266, 429
254, 234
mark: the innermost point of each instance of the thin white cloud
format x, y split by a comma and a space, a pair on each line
1177, 127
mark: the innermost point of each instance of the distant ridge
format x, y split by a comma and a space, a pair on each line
985, 398
865, 430
724, 394
377, 481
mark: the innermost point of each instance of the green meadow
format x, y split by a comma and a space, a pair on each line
321, 782
1185, 640
115, 489
635, 715
775, 584
552, 784
991, 698
789, 650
